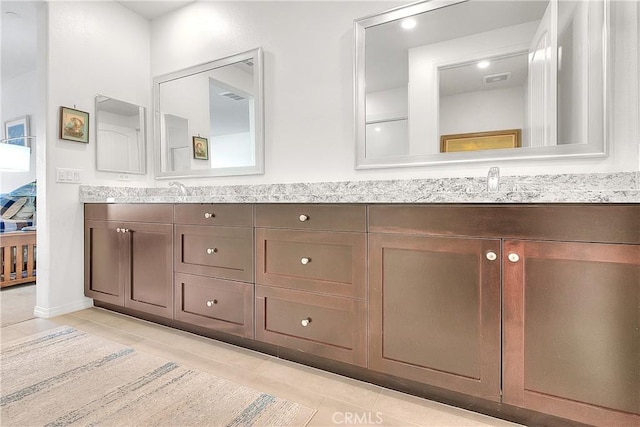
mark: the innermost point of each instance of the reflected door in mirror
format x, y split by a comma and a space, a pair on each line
121, 136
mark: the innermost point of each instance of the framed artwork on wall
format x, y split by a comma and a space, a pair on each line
509, 138
15, 129
200, 148
74, 125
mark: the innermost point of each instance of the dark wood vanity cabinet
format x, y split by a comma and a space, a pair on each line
521, 306
105, 262
569, 276
214, 267
572, 329
311, 279
434, 311
129, 256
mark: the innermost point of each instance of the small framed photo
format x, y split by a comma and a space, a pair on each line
15, 129
74, 125
200, 148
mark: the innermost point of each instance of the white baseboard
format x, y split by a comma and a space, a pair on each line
48, 312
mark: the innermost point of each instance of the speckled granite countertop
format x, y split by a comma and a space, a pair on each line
623, 187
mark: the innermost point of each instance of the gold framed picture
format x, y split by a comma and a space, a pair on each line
510, 138
200, 148
74, 125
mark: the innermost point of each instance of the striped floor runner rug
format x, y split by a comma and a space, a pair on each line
67, 377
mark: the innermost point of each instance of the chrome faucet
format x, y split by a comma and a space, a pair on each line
180, 187
493, 179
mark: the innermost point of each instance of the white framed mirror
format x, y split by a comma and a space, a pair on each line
209, 119
120, 136
449, 81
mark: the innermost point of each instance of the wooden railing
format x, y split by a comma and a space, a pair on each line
18, 256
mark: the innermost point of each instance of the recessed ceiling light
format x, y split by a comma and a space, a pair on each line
483, 64
408, 23
378, 129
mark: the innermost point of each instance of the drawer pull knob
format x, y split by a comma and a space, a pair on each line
212, 302
513, 257
305, 322
305, 261
212, 251
209, 215
491, 256
303, 218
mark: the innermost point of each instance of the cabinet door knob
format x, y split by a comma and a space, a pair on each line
212, 251
305, 261
303, 218
491, 256
210, 303
305, 322
513, 257
209, 215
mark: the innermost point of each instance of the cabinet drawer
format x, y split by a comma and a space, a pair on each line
328, 263
214, 214
335, 326
312, 217
225, 252
155, 212
215, 304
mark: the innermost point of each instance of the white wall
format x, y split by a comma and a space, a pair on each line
387, 104
484, 110
309, 88
19, 98
93, 47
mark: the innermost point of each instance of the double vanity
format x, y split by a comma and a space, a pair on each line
520, 302
526, 311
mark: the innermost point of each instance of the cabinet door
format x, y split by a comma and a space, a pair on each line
435, 311
104, 262
572, 330
149, 281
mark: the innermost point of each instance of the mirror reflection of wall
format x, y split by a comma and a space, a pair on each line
232, 118
484, 96
121, 136
219, 101
427, 71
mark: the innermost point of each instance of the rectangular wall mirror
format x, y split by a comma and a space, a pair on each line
120, 136
478, 80
209, 119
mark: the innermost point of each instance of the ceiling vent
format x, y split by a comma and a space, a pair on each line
232, 95
496, 78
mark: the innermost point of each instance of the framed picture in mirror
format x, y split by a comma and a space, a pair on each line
15, 129
200, 148
510, 138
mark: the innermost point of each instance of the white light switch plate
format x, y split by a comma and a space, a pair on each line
68, 176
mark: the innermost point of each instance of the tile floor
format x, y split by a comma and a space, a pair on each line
339, 401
